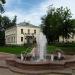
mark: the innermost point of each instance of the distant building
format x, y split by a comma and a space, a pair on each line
65, 40
21, 33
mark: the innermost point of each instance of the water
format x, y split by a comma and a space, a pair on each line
41, 44
39, 52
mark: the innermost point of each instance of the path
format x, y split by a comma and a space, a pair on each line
3, 66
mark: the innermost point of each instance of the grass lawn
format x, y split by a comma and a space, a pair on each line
13, 49
67, 48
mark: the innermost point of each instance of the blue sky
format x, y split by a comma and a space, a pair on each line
32, 10
22, 4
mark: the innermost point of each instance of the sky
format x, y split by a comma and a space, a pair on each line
32, 10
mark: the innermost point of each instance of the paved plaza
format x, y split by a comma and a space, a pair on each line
3, 66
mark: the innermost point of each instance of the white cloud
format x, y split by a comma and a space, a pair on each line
34, 15
65, 3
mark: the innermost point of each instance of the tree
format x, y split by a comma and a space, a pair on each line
1, 11
2, 35
13, 23
5, 23
67, 29
57, 23
3, 1
1, 6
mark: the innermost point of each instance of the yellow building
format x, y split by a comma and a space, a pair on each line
21, 33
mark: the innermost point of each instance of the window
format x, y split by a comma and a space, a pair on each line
28, 31
34, 31
21, 31
21, 39
14, 39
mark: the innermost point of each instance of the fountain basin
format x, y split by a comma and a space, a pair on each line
36, 66
41, 66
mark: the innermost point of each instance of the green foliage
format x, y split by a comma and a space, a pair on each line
3, 1
1, 6
1, 9
63, 44
28, 50
67, 48
5, 23
57, 23
13, 22
2, 37
52, 49
14, 49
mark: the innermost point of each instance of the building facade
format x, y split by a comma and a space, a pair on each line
21, 33
65, 40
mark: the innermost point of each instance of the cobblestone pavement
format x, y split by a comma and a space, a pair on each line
7, 72
3, 66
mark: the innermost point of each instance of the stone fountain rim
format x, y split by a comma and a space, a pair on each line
37, 63
61, 62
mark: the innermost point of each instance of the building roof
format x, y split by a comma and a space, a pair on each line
24, 24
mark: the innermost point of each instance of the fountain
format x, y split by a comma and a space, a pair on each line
41, 46
37, 62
